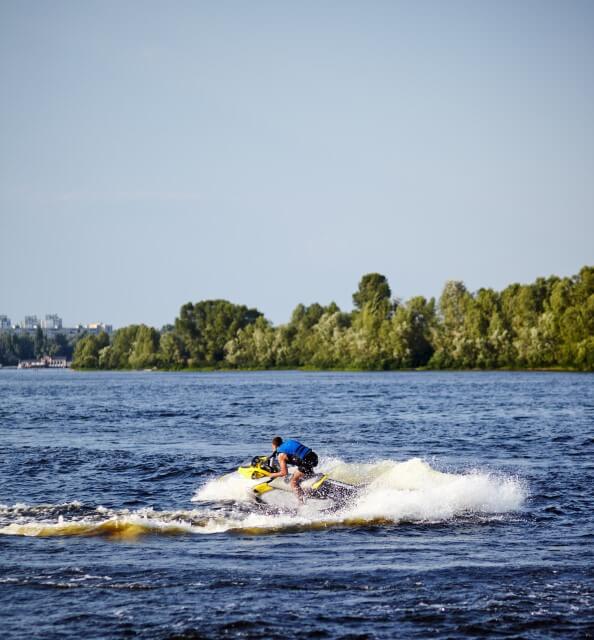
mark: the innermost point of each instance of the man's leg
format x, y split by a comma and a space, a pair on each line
295, 480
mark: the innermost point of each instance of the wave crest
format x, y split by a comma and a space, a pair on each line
394, 492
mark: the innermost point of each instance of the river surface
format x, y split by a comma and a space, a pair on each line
117, 519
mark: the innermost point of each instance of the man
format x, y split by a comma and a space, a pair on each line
295, 453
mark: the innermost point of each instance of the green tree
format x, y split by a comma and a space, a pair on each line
453, 348
40, 343
86, 352
368, 338
411, 333
172, 353
254, 346
522, 307
145, 348
326, 345
480, 321
207, 326
305, 340
576, 323
547, 323
122, 343
60, 346
133, 347
14, 348
373, 292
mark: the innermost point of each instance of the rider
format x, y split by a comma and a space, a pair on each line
293, 452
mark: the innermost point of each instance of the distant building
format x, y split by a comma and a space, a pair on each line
45, 362
52, 321
67, 331
31, 322
98, 327
51, 325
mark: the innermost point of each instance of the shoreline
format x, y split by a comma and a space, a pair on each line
308, 370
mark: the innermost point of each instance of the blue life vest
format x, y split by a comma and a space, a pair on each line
294, 449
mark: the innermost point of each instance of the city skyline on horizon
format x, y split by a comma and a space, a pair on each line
32, 321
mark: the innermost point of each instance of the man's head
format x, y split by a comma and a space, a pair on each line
276, 442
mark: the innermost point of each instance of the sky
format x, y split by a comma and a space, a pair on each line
272, 153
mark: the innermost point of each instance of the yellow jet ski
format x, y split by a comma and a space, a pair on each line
319, 487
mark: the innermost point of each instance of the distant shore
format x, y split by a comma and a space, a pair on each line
544, 326
215, 370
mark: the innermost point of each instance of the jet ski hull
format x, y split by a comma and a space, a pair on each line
319, 488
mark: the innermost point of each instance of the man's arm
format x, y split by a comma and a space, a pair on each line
282, 460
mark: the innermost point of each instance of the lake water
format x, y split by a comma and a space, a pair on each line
476, 519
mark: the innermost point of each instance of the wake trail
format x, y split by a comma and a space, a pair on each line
392, 493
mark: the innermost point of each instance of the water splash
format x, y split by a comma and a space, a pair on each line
394, 492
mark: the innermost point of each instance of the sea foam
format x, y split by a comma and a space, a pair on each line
392, 493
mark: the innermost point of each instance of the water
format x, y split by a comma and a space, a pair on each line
477, 520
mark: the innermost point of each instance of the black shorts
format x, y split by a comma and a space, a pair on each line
308, 463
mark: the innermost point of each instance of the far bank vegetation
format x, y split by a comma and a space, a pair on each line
546, 324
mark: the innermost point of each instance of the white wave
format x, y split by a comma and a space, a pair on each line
20, 507
413, 491
393, 492
228, 487
410, 491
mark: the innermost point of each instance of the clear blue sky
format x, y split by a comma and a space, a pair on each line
271, 153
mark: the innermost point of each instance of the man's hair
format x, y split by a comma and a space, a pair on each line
277, 441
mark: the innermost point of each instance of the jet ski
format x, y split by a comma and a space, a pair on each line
321, 490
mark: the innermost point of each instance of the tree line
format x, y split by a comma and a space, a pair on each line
546, 324
16, 347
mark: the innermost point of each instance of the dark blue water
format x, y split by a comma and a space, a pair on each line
102, 539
